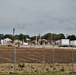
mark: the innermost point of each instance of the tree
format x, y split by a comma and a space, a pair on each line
21, 37
16, 37
27, 36
72, 37
1, 36
8, 36
60, 36
50, 36
47, 36
33, 38
54, 36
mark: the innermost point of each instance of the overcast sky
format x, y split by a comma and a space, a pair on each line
36, 17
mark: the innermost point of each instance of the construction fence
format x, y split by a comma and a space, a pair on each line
34, 59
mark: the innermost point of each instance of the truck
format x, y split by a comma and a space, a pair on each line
64, 43
73, 43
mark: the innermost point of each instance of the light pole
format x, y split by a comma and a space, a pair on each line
14, 52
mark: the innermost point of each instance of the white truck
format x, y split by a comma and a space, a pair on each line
64, 43
73, 43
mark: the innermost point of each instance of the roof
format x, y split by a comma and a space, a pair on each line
7, 39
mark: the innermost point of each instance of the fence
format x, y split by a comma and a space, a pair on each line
37, 59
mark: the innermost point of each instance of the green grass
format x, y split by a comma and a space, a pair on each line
42, 74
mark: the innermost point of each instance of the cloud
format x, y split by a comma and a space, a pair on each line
38, 16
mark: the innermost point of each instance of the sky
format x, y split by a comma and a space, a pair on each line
34, 17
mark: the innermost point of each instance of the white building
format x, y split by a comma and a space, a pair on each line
5, 41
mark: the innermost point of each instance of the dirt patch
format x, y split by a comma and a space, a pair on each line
36, 55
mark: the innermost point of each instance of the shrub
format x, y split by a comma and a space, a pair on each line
36, 71
62, 69
57, 65
32, 67
21, 65
47, 69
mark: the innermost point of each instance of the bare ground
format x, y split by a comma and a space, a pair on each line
36, 59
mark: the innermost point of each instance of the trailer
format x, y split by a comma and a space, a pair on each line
64, 43
73, 43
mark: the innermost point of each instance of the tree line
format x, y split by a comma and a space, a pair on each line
47, 36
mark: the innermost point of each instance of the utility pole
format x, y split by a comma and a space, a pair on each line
14, 52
